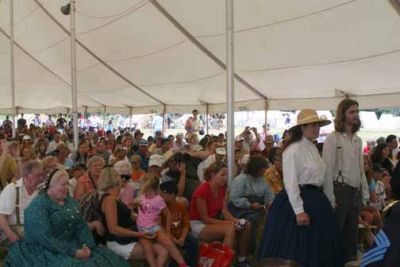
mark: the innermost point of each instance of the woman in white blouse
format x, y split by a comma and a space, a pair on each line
301, 225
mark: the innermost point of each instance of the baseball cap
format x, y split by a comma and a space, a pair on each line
378, 167
143, 142
156, 160
239, 139
169, 187
26, 137
220, 151
121, 148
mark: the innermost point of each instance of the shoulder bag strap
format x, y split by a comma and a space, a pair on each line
339, 159
91, 179
17, 206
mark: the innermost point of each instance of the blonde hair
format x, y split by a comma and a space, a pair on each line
31, 150
50, 163
150, 185
136, 158
109, 178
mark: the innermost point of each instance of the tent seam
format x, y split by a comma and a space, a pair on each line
97, 57
200, 46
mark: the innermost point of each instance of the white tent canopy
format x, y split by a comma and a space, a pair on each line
169, 55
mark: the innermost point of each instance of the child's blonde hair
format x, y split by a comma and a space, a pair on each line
150, 184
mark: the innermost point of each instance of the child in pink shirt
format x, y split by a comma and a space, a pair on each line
151, 207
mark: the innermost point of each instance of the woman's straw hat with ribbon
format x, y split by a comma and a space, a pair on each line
308, 116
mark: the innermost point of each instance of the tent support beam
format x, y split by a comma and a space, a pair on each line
117, 73
104, 116
396, 5
12, 70
266, 113
45, 67
164, 113
74, 85
130, 119
200, 46
230, 97
207, 114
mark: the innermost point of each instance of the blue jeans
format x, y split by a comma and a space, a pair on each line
191, 249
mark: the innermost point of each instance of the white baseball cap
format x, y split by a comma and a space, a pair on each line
26, 137
156, 160
220, 151
123, 167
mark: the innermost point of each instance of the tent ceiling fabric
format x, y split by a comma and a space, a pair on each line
131, 57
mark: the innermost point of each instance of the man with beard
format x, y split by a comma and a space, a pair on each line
343, 156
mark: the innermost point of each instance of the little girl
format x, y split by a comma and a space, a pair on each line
150, 208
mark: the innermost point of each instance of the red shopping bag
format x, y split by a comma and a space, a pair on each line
215, 254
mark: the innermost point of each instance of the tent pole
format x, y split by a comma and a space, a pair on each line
230, 87
207, 113
73, 77
130, 119
104, 116
12, 70
266, 114
163, 119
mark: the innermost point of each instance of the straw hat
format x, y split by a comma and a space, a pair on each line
308, 116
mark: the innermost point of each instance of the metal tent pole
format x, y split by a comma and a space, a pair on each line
12, 69
163, 117
207, 113
74, 87
266, 113
104, 117
230, 88
130, 119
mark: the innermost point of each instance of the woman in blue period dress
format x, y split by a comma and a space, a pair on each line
55, 233
301, 225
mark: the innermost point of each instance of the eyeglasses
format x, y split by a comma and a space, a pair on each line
125, 176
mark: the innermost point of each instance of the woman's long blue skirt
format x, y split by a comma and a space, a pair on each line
315, 245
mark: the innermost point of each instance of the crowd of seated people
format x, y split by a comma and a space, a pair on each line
121, 198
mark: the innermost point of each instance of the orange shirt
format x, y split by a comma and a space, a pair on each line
179, 219
137, 174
